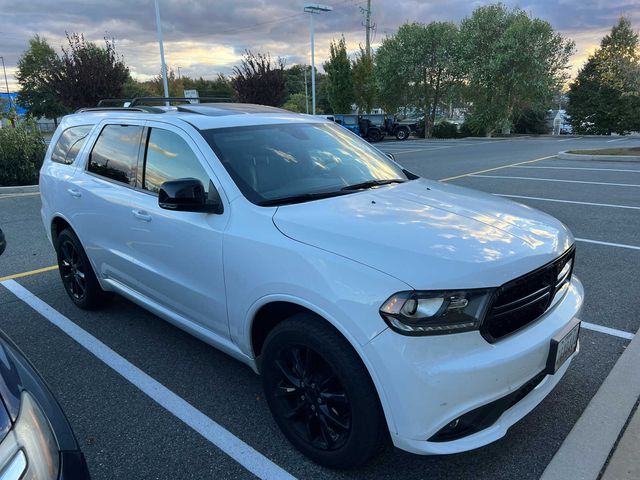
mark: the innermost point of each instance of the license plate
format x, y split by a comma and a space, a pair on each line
563, 345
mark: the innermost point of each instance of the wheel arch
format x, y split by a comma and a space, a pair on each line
260, 325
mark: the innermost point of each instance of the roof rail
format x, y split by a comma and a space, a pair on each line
138, 100
122, 109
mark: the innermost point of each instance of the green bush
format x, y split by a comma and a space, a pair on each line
472, 127
445, 129
21, 153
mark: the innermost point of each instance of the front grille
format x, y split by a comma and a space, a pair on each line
523, 300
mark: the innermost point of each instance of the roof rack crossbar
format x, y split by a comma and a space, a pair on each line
136, 101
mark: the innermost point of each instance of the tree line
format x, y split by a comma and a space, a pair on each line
504, 67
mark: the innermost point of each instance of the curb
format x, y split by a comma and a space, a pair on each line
606, 158
585, 451
23, 189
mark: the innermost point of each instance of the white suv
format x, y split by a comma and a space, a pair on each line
375, 304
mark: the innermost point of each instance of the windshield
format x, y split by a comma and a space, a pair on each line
299, 162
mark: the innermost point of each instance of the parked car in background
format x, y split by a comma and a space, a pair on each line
36, 440
377, 306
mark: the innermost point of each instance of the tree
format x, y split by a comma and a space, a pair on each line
605, 96
35, 95
260, 80
365, 88
339, 82
86, 73
418, 66
297, 103
511, 63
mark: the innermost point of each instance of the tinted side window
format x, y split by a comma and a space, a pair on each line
169, 157
69, 144
115, 153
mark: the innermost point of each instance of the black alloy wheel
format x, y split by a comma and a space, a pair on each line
312, 398
320, 393
77, 275
72, 270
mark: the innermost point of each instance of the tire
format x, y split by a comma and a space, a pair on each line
320, 393
77, 275
402, 134
374, 135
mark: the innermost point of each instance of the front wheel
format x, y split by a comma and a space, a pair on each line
320, 393
402, 134
374, 135
76, 273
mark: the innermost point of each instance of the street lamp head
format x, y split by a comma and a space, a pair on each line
317, 8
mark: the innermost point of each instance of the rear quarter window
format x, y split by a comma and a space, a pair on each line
69, 144
115, 153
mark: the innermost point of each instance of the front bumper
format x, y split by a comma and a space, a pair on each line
428, 382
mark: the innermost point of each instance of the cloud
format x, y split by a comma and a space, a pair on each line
207, 37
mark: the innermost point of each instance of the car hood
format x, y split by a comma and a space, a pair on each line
429, 234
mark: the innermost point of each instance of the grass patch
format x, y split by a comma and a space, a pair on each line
609, 151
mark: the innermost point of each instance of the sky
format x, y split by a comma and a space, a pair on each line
207, 37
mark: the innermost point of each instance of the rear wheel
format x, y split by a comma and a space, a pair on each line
402, 134
320, 393
76, 272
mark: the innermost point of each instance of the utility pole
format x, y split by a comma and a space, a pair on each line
6, 83
306, 90
164, 66
368, 27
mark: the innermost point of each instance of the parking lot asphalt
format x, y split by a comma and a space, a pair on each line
125, 434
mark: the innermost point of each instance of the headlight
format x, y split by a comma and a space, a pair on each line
436, 312
30, 451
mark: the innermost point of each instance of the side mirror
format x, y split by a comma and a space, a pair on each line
391, 156
188, 195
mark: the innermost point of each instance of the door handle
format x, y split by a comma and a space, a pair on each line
141, 215
74, 192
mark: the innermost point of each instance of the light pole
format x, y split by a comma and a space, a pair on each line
179, 75
314, 9
164, 66
6, 82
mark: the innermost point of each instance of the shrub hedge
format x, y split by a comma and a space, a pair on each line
21, 154
445, 129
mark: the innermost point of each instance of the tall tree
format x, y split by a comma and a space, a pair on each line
511, 62
418, 66
260, 80
365, 88
339, 81
86, 73
605, 96
35, 94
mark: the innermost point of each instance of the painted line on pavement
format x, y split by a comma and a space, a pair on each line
580, 168
607, 244
557, 180
13, 195
567, 201
495, 168
241, 452
586, 449
616, 140
567, 139
29, 273
609, 331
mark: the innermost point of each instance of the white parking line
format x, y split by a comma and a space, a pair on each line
242, 453
609, 331
580, 168
567, 201
616, 140
13, 195
608, 244
572, 138
398, 152
557, 180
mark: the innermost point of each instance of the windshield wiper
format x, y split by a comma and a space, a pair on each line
372, 183
304, 197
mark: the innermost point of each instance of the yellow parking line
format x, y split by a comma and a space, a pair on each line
29, 273
496, 168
